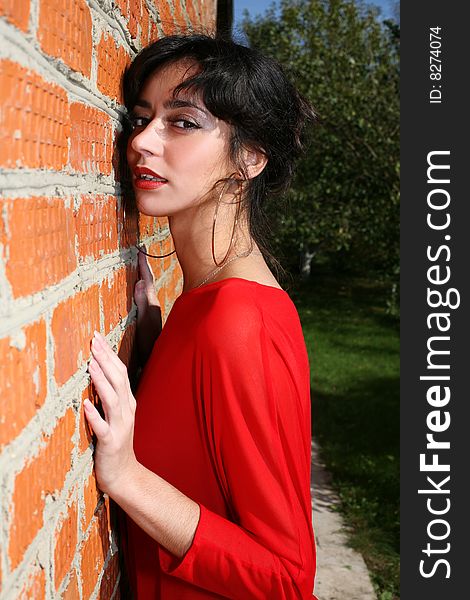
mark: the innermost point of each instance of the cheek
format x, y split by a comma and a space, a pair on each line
202, 161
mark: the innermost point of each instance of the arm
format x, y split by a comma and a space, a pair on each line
258, 429
162, 511
166, 514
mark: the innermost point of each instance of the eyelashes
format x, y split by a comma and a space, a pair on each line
138, 122
186, 122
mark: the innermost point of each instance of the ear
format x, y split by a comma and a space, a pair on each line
254, 161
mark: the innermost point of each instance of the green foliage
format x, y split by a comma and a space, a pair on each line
345, 197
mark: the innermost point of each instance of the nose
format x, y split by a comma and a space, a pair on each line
149, 140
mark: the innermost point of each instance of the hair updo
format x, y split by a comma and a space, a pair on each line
252, 94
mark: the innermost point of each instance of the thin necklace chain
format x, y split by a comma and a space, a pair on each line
215, 271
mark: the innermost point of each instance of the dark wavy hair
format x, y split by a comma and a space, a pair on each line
249, 91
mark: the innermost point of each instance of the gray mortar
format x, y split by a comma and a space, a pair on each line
14, 458
17, 313
27, 182
27, 54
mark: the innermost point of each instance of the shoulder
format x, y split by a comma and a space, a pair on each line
234, 318
239, 315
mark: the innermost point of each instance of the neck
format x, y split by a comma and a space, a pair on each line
192, 236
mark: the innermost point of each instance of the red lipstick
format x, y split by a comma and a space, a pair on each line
146, 179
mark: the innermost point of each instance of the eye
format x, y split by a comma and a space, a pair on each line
138, 122
185, 124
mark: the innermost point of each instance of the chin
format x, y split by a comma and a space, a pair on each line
149, 211
159, 207
151, 207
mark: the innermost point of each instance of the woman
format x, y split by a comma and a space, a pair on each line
213, 468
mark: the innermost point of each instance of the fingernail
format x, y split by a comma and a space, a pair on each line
96, 344
96, 334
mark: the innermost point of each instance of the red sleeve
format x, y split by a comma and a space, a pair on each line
258, 423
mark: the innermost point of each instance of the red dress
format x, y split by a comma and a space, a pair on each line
223, 414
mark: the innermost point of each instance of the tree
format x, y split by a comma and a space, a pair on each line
345, 198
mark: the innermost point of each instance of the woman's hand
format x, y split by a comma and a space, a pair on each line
115, 460
162, 511
149, 316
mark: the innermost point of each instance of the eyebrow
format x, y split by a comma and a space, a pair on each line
172, 103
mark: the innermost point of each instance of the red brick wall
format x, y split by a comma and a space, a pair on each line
66, 268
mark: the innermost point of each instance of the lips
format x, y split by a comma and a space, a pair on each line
146, 179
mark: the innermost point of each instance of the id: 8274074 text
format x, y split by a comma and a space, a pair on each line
435, 65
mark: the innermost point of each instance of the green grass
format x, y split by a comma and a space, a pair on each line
354, 356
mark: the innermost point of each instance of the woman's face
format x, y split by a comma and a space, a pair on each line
178, 149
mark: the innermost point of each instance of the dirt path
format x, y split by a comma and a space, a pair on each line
341, 571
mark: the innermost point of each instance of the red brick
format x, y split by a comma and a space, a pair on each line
73, 323
23, 380
176, 280
144, 25
180, 19
72, 593
65, 32
161, 295
35, 124
209, 11
135, 15
16, 11
35, 587
95, 550
122, 4
108, 582
148, 226
154, 35
156, 264
91, 140
193, 13
128, 225
4, 207
41, 245
116, 294
96, 226
160, 248
43, 475
166, 18
66, 542
172, 285
112, 61
91, 497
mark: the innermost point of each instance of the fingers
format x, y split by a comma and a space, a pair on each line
110, 373
109, 399
144, 268
99, 425
140, 291
108, 359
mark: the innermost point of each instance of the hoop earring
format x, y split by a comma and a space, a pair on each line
154, 255
138, 238
237, 214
